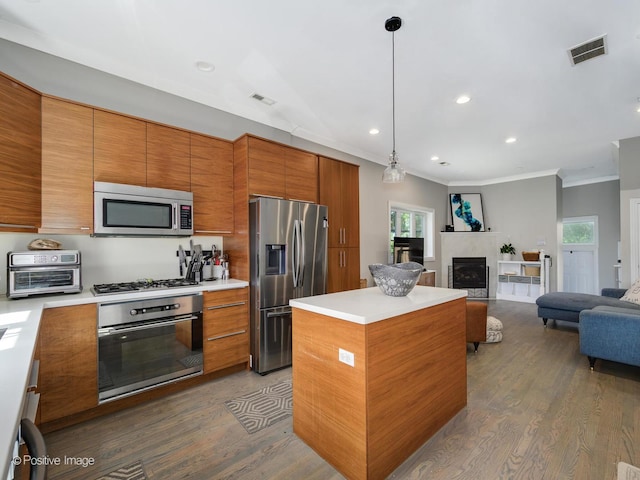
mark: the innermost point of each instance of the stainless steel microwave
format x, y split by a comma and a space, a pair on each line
132, 210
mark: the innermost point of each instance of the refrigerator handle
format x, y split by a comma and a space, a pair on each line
303, 255
294, 254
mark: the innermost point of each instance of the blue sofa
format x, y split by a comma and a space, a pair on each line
610, 333
567, 306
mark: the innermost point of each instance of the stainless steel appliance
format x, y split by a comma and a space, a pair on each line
38, 272
140, 285
131, 210
288, 249
146, 343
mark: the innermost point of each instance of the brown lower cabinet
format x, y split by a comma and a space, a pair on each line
226, 329
68, 354
343, 269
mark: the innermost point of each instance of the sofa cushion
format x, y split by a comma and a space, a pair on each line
633, 294
576, 302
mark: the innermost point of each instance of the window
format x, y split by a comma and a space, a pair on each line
412, 221
579, 231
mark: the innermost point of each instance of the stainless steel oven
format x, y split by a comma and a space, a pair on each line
40, 272
146, 343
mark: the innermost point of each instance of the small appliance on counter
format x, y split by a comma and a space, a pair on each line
40, 272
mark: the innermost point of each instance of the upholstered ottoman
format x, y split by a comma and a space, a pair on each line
567, 306
476, 323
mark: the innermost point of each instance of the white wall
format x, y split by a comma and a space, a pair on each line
524, 213
601, 200
107, 260
629, 189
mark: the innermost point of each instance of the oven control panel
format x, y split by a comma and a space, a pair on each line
43, 258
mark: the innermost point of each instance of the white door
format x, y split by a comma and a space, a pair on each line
579, 270
580, 254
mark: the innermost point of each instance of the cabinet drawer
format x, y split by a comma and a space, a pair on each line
519, 279
226, 351
503, 278
223, 320
225, 297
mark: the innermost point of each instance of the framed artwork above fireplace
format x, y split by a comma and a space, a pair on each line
466, 212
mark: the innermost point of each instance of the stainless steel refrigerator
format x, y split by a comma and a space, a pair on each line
288, 259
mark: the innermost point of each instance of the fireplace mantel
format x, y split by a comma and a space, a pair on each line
470, 244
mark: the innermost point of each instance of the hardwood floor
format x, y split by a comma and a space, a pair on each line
534, 411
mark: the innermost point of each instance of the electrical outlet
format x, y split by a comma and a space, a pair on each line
346, 357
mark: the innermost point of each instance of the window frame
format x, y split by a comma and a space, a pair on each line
586, 219
429, 226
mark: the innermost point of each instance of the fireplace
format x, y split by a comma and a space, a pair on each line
469, 272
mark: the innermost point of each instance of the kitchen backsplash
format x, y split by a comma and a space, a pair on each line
112, 259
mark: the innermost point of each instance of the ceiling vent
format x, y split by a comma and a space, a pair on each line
263, 99
591, 49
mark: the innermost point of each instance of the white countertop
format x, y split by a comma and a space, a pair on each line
368, 305
21, 317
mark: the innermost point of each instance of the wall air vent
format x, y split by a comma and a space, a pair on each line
263, 99
591, 49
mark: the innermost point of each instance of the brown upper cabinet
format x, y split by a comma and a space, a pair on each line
67, 167
339, 190
281, 171
135, 152
168, 158
301, 179
120, 149
212, 185
20, 152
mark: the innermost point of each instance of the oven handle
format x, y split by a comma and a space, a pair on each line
103, 332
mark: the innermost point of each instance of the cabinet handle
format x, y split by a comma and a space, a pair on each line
213, 231
16, 225
211, 339
85, 228
226, 305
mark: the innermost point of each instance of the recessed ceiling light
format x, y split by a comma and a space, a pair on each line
511, 140
205, 66
435, 158
374, 131
463, 99
445, 164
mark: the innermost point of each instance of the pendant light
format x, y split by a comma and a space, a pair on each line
393, 173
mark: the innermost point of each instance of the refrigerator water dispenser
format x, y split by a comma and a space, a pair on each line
275, 256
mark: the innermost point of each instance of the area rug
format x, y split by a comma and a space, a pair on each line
262, 408
135, 471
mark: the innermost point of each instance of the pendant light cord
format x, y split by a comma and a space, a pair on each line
393, 92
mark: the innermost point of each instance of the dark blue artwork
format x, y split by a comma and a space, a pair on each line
463, 209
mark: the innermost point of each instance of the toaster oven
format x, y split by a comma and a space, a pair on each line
43, 272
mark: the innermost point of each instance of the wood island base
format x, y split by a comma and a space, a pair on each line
408, 379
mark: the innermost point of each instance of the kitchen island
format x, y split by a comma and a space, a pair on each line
374, 377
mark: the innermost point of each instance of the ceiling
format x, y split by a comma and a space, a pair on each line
328, 67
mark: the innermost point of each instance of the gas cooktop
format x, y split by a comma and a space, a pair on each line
145, 284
